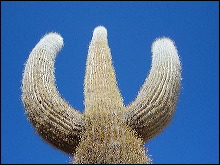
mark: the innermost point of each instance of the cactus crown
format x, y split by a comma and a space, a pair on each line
108, 131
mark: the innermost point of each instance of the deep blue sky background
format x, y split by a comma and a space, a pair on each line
192, 136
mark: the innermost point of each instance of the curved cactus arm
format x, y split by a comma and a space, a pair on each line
100, 85
53, 118
154, 106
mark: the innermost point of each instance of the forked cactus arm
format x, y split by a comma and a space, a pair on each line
154, 106
53, 118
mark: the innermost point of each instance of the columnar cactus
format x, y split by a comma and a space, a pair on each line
108, 131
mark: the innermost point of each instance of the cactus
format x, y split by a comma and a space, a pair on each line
108, 131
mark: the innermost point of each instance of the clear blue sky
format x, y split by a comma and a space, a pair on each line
192, 136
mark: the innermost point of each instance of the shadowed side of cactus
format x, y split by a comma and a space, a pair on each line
108, 131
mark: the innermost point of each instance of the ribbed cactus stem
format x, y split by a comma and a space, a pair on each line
53, 118
106, 132
100, 85
154, 105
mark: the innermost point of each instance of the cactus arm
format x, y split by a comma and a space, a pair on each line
53, 118
154, 106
